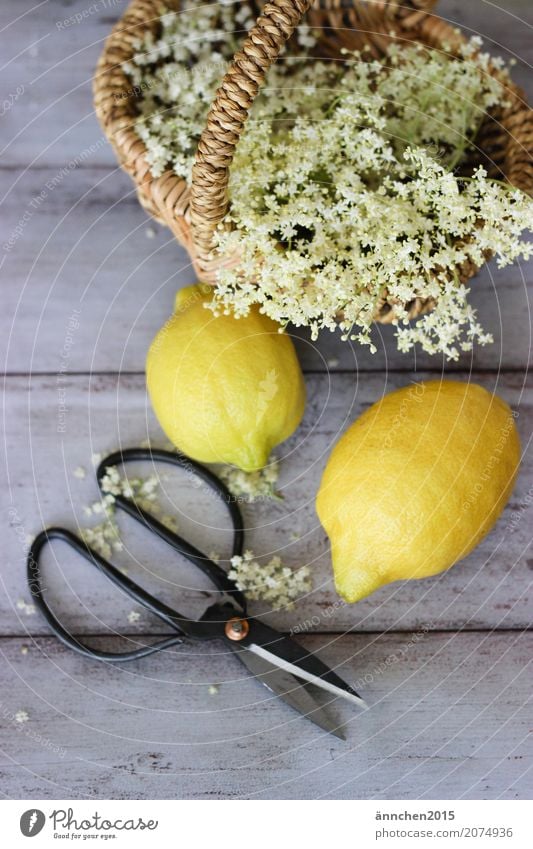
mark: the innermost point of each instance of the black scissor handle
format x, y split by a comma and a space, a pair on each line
214, 572
37, 591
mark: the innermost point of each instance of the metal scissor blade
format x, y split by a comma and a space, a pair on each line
287, 654
304, 675
288, 688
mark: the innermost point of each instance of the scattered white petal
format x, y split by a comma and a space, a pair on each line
105, 537
21, 716
25, 607
271, 582
251, 486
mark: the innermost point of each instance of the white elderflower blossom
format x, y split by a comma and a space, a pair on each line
346, 184
179, 72
105, 537
361, 195
22, 716
271, 582
252, 485
27, 608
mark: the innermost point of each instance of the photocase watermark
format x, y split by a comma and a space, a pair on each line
9, 101
73, 324
491, 463
183, 303
168, 74
516, 516
195, 294
316, 620
24, 540
26, 730
79, 17
414, 395
66, 824
16, 523
66, 820
268, 389
395, 657
32, 822
51, 184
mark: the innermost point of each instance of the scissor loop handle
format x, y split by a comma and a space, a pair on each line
211, 624
214, 572
38, 594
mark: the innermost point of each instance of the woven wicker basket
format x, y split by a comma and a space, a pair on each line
503, 145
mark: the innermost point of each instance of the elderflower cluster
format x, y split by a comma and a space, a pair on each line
405, 239
178, 73
272, 582
346, 187
251, 486
359, 191
105, 537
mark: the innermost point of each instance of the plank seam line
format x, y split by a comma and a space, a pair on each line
516, 630
512, 370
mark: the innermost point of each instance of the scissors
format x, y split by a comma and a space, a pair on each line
280, 663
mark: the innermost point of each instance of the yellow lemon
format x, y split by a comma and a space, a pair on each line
225, 390
415, 483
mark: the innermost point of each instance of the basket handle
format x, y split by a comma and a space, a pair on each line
234, 99
228, 114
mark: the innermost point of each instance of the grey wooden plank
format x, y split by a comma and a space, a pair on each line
447, 718
84, 247
490, 589
53, 120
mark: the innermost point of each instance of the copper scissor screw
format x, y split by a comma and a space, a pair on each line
237, 629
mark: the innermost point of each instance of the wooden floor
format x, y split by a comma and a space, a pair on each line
444, 664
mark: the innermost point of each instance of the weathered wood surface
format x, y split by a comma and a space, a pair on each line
488, 590
448, 713
447, 718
